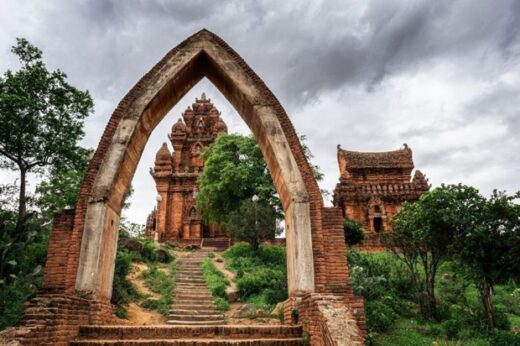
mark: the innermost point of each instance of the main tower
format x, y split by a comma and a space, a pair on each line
176, 216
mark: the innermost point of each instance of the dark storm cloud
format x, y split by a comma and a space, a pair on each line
349, 72
398, 36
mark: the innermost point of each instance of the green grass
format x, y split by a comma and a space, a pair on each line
216, 282
162, 284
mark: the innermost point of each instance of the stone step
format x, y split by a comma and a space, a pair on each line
189, 276
191, 281
125, 332
191, 287
192, 302
192, 311
187, 296
211, 317
192, 342
200, 291
196, 323
180, 306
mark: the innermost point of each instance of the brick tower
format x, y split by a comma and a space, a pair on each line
373, 186
176, 216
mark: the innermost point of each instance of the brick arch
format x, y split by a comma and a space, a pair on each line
80, 263
114, 163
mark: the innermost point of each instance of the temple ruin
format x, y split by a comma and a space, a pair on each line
372, 188
176, 216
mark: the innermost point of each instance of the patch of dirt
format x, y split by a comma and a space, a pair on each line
138, 315
137, 269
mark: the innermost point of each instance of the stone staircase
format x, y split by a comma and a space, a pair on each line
189, 335
220, 244
192, 301
193, 321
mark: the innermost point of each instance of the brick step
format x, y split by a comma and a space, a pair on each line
197, 291
125, 332
193, 302
192, 281
196, 323
189, 276
192, 311
180, 306
193, 296
193, 317
192, 342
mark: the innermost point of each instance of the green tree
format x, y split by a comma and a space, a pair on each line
354, 232
254, 222
488, 242
42, 118
423, 235
234, 171
61, 186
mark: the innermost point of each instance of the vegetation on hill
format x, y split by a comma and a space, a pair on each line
455, 222
261, 274
393, 313
216, 283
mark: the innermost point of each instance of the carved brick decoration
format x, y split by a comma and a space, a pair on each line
175, 174
372, 188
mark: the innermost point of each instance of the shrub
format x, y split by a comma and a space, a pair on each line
452, 327
12, 299
221, 304
148, 252
354, 232
261, 274
123, 291
503, 338
379, 316
164, 256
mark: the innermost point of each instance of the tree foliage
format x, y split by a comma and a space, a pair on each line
488, 242
456, 221
354, 233
423, 236
42, 118
234, 171
254, 222
60, 187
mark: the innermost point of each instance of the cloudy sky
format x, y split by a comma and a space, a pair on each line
442, 76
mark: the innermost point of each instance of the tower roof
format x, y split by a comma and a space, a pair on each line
179, 126
401, 158
163, 153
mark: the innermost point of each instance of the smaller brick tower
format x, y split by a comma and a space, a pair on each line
175, 216
373, 186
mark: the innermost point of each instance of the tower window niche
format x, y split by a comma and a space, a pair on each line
378, 224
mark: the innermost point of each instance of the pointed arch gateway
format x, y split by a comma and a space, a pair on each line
83, 241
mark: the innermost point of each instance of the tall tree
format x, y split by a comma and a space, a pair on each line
234, 171
42, 118
253, 222
488, 242
423, 235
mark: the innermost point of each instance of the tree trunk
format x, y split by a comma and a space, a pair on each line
487, 300
22, 207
